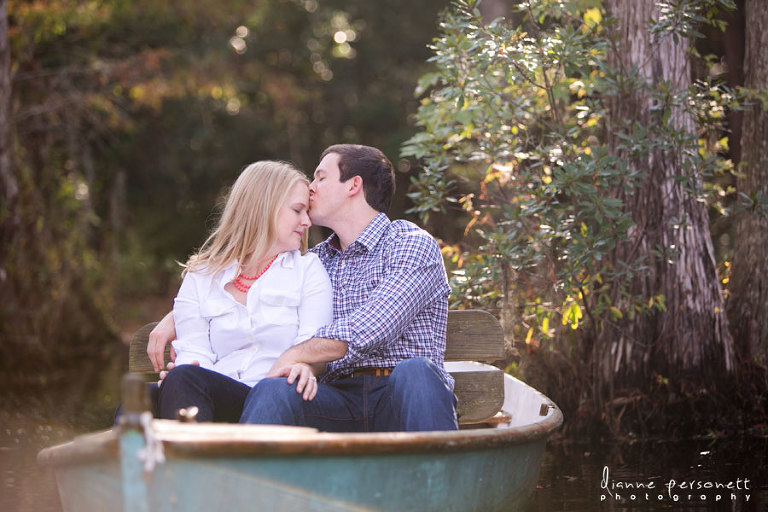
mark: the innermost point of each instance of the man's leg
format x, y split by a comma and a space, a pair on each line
218, 397
336, 407
417, 399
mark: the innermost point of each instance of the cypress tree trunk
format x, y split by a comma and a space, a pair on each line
689, 337
10, 188
492, 9
748, 304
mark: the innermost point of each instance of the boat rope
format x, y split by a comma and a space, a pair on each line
152, 453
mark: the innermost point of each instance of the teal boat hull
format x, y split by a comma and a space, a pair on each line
237, 468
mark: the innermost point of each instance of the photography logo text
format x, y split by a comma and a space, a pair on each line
680, 489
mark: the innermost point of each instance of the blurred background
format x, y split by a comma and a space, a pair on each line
130, 118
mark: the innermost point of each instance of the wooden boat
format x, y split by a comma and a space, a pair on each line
148, 464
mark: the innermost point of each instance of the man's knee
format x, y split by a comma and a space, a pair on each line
415, 369
418, 379
421, 398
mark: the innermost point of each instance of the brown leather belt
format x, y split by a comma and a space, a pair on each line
378, 372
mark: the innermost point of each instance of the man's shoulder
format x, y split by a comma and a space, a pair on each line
402, 226
405, 237
404, 231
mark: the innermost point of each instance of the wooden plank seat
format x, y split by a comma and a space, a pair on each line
473, 335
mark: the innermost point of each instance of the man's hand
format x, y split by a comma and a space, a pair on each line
163, 333
284, 362
303, 375
315, 352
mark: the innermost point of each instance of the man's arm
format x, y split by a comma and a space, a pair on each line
314, 352
415, 280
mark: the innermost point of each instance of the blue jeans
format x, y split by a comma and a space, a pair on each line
413, 398
219, 398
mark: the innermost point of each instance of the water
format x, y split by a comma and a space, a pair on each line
680, 476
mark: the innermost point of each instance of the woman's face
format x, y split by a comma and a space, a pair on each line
292, 219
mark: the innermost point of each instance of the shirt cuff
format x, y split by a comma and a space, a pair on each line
339, 330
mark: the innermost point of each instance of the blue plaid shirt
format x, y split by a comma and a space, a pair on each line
390, 300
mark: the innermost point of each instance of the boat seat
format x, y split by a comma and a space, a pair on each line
473, 335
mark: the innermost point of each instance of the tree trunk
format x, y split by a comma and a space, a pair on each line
748, 304
734, 42
689, 337
492, 9
10, 187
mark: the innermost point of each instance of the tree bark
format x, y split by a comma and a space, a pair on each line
690, 336
492, 9
10, 187
748, 304
734, 43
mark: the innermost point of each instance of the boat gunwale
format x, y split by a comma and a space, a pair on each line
104, 445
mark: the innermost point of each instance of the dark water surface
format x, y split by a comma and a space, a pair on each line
576, 477
707, 475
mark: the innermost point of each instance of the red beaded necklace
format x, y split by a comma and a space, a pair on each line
244, 287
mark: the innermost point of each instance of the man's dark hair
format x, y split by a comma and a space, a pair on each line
372, 166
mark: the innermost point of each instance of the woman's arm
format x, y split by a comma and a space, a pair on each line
193, 343
163, 333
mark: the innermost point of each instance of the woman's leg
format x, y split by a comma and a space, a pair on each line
218, 397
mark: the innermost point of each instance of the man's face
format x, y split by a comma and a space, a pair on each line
326, 192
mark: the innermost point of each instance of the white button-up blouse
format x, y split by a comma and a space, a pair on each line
285, 306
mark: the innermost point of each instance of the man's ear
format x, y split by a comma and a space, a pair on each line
354, 185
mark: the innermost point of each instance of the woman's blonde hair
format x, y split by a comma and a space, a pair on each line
247, 225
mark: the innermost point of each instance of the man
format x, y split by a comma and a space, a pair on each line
384, 349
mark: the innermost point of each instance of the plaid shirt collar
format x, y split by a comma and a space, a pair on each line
365, 241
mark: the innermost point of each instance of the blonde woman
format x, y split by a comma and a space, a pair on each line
247, 295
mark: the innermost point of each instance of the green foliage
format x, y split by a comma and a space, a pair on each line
132, 116
514, 140
168, 101
510, 135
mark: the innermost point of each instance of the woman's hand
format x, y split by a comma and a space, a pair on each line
163, 333
170, 367
164, 373
301, 374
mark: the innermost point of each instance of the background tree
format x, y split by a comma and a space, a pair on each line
570, 144
10, 187
689, 336
748, 304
